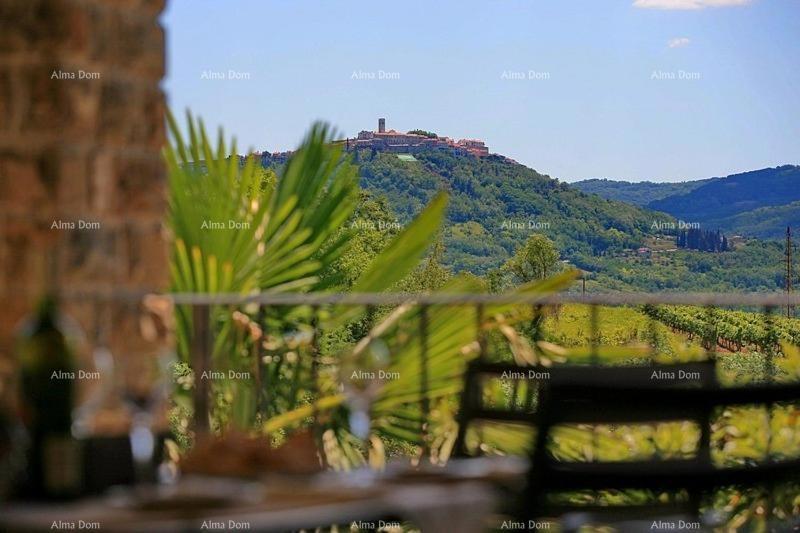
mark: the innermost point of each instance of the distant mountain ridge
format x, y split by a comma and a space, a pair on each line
639, 193
759, 203
742, 202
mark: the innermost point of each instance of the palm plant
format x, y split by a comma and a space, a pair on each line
450, 343
272, 235
237, 230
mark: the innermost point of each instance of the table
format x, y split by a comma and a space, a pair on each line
436, 503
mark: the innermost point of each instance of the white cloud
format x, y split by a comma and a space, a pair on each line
678, 42
687, 4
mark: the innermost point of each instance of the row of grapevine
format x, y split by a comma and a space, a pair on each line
732, 330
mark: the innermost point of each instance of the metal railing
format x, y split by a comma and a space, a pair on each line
770, 305
202, 305
744, 299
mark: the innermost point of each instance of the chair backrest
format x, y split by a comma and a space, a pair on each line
562, 395
640, 395
577, 390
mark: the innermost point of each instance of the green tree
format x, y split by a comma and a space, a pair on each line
429, 134
370, 228
537, 259
429, 276
498, 279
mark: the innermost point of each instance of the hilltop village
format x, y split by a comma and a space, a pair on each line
411, 142
393, 141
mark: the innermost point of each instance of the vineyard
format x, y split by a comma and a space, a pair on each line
731, 330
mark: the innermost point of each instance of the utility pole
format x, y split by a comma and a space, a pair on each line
789, 273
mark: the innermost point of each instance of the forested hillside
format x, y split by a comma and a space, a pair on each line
754, 266
742, 203
765, 222
495, 204
640, 193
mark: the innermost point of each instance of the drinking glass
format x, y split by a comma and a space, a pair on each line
146, 394
363, 375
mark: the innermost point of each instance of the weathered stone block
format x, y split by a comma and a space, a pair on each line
87, 254
126, 40
119, 108
140, 185
131, 115
140, 47
102, 183
22, 185
30, 26
154, 134
6, 103
55, 98
27, 248
146, 254
73, 181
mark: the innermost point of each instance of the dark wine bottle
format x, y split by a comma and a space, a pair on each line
47, 384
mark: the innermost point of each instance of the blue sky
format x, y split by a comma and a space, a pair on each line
663, 90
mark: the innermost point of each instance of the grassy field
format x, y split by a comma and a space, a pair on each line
570, 326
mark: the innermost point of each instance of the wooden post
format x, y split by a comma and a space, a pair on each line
424, 378
201, 363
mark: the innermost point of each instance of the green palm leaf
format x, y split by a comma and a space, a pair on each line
396, 411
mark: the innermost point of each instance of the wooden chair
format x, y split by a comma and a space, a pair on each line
595, 395
632, 395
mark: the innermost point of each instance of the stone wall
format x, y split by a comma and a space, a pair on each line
82, 185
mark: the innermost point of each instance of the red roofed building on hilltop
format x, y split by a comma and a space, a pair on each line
395, 141
474, 146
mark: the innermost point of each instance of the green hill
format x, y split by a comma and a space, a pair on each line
639, 193
765, 222
758, 203
496, 203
